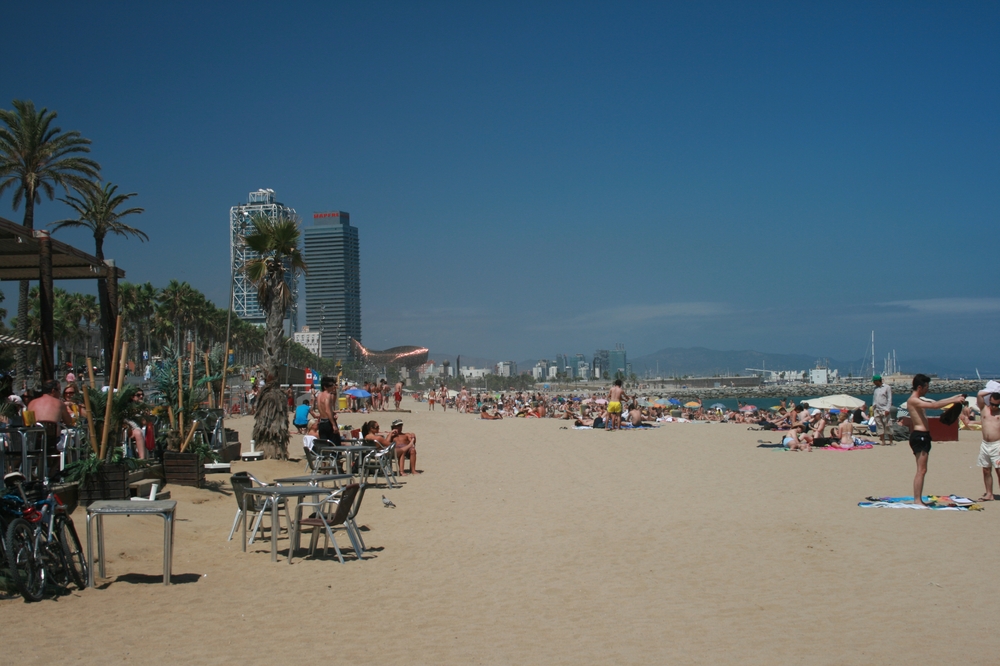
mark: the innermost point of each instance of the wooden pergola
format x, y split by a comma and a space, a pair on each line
27, 254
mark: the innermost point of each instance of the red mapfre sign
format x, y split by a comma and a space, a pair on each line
316, 215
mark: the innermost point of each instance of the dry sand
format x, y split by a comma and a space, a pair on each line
526, 543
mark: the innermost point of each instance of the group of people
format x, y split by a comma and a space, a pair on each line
316, 419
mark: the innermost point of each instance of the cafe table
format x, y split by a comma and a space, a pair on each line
313, 479
276, 493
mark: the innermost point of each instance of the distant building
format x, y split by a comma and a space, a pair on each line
474, 373
506, 369
309, 339
582, 370
600, 363
552, 372
245, 305
617, 364
333, 283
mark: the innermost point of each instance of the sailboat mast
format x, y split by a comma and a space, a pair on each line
873, 352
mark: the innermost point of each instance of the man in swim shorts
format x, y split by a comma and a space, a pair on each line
615, 397
989, 451
920, 437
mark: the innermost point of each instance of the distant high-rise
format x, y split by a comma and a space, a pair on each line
617, 363
261, 202
333, 282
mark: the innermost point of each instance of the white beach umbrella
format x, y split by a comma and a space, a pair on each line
840, 400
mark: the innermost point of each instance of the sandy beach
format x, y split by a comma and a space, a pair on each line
527, 543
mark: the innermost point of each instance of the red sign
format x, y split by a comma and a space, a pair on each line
318, 215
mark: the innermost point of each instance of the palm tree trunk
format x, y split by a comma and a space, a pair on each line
270, 428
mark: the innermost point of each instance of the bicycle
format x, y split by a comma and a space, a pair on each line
17, 544
54, 544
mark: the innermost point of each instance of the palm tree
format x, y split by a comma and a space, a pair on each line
276, 242
98, 210
35, 157
90, 313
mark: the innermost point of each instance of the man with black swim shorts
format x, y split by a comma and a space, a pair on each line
920, 436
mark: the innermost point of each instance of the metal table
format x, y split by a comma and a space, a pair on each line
276, 493
163, 508
350, 451
314, 479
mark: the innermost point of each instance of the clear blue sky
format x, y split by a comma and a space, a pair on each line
534, 178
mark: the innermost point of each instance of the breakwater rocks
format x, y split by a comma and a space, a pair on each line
969, 387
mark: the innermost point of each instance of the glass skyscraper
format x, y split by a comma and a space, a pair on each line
333, 282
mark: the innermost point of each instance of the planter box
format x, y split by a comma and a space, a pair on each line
110, 483
230, 452
184, 469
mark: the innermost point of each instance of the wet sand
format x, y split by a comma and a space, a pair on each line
526, 543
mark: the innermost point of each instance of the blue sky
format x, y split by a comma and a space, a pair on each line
536, 178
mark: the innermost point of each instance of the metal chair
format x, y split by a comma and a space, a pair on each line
351, 522
260, 505
379, 462
331, 512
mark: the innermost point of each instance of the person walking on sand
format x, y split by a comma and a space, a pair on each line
882, 403
920, 436
616, 396
989, 450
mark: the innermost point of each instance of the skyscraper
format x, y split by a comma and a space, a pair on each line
261, 202
617, 363
333, 283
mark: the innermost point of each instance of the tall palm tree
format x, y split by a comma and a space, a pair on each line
276, 242
35, 158
176, 301
90, 313
98, 210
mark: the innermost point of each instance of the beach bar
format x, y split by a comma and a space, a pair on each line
32, 254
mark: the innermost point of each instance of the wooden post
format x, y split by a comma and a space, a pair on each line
107, 378
211, 391
194, 424
170, 415
191, 369
122, 365
45, 301
86, 403
180, 394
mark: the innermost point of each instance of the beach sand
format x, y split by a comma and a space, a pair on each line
526, 543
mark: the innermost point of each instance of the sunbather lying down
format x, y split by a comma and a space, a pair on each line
796, 441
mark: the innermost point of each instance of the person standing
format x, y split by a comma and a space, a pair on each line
989, 451
326, 405
616, 396
882, 403
920, 436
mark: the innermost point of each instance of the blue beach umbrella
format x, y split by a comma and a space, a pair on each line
674, 401
358, 393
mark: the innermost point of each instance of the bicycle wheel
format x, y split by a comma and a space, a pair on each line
28, 576
75, 559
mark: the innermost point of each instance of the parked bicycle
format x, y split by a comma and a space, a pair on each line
56, 555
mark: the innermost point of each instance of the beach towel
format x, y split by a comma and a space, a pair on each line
938, 502
856, 447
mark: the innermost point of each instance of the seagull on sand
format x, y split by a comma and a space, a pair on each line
387, 503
